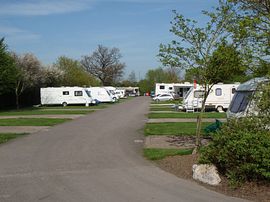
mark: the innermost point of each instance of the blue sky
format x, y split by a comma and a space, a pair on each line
50, 28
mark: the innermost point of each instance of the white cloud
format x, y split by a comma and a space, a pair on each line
43, 7
17, 35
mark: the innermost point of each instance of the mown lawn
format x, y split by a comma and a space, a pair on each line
42, 112
186, 128
167, 102
186, 115
31, 122
5, 137
162, 109
157, 154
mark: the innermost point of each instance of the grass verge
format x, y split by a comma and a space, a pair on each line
42, 112
31, 122
161, 109
186, 115
157, 154
5, 137
185, 128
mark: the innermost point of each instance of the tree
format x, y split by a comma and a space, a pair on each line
251, 29
132, 77
28, 73
104, 63
72, 73
7, 70
195, 49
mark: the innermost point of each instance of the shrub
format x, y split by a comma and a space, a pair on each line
240, 150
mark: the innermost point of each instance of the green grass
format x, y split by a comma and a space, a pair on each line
186, 115
31, 122
5, 137
167, 102
186, 128
42, 112
157, 154
78, 107
161, 109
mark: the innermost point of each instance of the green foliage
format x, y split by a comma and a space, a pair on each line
8, 70
158, 75
73, 74
185, 115
240, 150
157, 154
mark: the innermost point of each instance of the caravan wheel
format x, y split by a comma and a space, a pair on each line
64, 104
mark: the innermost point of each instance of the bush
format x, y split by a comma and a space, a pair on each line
240, 150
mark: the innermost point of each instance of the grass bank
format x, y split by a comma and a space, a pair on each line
186, 115
5, 137
185, 128
31, 122
157, 154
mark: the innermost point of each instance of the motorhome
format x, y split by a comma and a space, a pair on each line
243, 101
219, 97
120, 93
111, 91
65, 96
176, 89
132, 91
101, 94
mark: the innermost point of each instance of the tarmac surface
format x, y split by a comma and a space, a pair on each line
95, 158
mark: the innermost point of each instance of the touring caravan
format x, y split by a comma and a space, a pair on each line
101, 94
219, 97
178, 89
243, 101
65, 96
120, 93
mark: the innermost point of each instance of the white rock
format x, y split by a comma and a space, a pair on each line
206, 174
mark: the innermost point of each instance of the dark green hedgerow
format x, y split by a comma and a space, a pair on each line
241, 151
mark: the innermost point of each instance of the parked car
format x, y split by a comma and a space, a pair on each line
163, 97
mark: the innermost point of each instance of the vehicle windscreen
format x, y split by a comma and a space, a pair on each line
240, 101
88, 93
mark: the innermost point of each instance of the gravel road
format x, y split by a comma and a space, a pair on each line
95, 158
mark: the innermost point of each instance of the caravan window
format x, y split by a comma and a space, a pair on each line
198, 94
218, 92
65, 92
170, 88
233, 90
162, 87
240, 101
88, 93
78, 93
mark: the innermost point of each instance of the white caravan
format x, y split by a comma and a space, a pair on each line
111, 90
243, 103
120, 93
219, 97
179, 89
101, 94
65, 96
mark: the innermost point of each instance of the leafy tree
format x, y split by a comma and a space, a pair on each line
104, 63
196, 49
251, 29
72, 73
7, 70
51, 77
132, 77
28, 73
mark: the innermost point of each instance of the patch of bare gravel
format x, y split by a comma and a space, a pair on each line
181, 166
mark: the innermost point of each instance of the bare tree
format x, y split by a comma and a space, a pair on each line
28, 68
104, 63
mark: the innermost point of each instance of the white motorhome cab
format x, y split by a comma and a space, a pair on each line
111, 91
101, 94
243, 101
65, 96
219, 97
120, 93
179, 89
